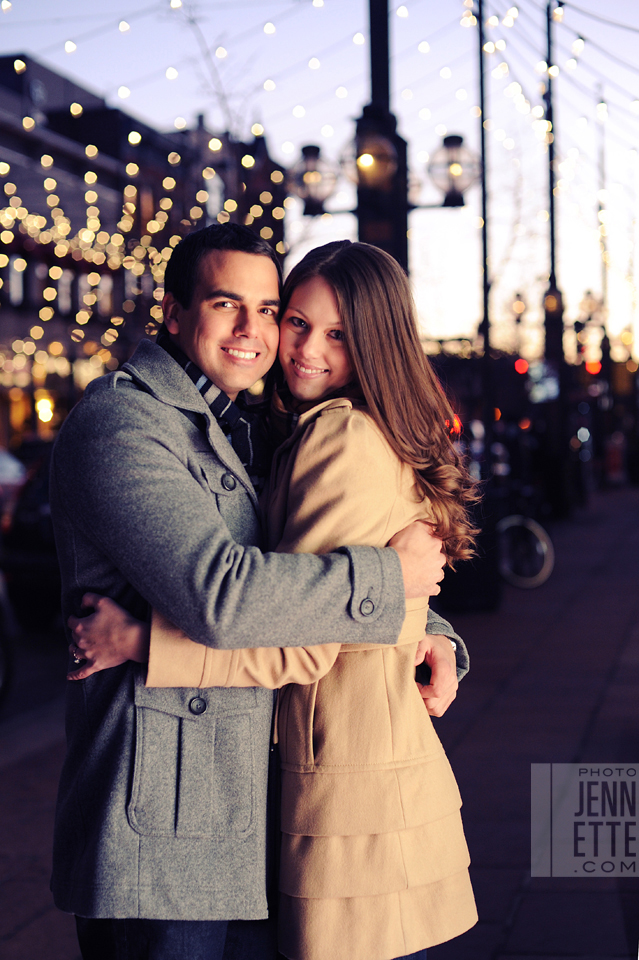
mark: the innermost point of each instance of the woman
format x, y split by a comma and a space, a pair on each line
374, 862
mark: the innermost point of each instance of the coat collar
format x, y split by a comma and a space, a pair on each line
336, 403
161, 376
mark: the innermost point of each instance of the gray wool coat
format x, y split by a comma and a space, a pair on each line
161, 809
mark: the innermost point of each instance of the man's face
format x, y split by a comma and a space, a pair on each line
230, 329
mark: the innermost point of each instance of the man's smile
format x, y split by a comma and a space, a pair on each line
241, 354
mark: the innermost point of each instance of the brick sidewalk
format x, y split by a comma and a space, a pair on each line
30, 926
554, 679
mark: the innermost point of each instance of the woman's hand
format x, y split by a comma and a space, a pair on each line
437, 652
106, 638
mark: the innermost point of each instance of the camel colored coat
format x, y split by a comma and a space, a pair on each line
374, 861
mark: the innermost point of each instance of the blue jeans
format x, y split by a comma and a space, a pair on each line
182, 940
133, 939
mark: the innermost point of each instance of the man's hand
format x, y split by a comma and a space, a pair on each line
106, 638
437, 651
422, 559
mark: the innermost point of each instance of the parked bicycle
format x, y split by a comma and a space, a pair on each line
526, 553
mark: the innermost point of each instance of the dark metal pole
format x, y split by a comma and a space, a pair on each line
553, 304
551, 146
382, 207
601, 205
379, 48
488, 411
559, 484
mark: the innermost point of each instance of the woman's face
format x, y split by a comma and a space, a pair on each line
313, 353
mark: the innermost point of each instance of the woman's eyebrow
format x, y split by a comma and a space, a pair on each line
295, 309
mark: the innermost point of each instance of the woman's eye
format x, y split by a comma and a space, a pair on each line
337, 334
296, 322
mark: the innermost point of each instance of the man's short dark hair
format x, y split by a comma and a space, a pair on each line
182, 269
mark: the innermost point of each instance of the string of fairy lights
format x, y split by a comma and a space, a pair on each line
433, 96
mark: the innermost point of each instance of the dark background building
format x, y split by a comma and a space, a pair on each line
92, 203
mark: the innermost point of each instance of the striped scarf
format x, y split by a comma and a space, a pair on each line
243, 428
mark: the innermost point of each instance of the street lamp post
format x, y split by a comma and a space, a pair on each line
382, 168
313, 180
453, 168
553, 302
558, 483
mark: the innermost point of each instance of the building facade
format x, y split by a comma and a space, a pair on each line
92, 202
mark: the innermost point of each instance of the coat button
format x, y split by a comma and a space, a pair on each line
366, 607
228, 481
197, 706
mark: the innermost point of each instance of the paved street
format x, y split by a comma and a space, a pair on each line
554, 679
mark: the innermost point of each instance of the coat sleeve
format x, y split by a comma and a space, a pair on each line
176, 661
122, 492
437, 625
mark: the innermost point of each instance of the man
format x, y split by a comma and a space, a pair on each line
161, 819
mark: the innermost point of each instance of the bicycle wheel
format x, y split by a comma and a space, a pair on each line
526, 553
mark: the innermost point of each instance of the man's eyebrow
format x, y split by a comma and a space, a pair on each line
229, 295
225, 293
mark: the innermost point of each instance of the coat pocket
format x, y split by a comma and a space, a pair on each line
194, 769
296, 715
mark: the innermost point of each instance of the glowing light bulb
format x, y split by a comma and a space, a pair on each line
70, 46
123, 26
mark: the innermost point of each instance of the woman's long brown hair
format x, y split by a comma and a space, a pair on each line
401, 391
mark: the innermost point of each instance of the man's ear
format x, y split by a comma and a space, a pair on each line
171, 310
